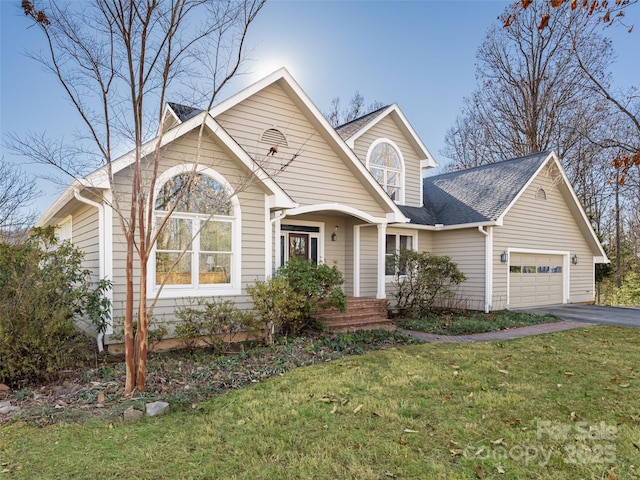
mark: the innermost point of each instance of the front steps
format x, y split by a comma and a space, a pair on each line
363, 313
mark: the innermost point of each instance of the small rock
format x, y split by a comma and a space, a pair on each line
156, 408
6, 407
131, 414
4, 388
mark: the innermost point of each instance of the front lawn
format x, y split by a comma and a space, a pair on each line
465, 322
556, 406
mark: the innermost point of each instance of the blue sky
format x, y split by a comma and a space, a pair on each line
418, 54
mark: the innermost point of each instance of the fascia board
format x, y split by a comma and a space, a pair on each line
427, 159
565, 181
459, 226
100, 177
583, 215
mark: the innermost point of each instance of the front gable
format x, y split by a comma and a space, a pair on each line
549, 205
310, 162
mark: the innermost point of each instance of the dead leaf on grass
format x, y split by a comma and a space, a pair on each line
358, 408
500, 469
479, 471
506, 372
407, 430
499, 441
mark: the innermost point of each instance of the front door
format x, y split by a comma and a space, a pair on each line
299, 245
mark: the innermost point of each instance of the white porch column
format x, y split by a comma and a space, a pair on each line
276, 233
382, 232
356, 261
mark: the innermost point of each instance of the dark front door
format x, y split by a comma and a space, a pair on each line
299, 245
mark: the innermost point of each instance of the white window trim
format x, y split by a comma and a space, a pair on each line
174, 291
398, 233
400, 200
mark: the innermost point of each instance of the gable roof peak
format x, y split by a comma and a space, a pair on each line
183, 112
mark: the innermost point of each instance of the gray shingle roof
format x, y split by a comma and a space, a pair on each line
350, 128
183, 112
475, 195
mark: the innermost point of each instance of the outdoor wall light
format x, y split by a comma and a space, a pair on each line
334, 235
504, 257
574, 259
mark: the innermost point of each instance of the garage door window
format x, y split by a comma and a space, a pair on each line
534, 269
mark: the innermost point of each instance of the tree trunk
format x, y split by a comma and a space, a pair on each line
130, 382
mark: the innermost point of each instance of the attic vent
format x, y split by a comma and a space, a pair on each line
273, 136
541, 194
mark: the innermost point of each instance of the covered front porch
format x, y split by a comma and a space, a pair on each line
333, 234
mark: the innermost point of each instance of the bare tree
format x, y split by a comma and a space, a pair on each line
17, 192
117, 60
530, 96
356, 109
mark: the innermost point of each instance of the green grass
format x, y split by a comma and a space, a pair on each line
432, 411
467, 322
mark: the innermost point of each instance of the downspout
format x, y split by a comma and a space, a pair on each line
488, 266
101, 266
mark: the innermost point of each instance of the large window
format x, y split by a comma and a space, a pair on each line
385, 163
195, 247
395, 243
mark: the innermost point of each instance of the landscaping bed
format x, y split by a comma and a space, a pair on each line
182, 377
466, 322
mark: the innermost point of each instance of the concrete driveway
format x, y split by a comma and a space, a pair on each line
626, 316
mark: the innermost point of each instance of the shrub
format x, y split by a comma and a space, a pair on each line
278, 304
43, 290
217, 323
425, 279
291, 298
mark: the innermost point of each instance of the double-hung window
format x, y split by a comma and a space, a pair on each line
395, 243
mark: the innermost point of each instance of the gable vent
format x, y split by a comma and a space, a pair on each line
541, 194
273, 136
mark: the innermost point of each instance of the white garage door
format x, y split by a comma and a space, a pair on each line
535, 280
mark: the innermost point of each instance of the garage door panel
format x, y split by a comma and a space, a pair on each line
535, 279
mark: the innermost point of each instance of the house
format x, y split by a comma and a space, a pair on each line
275, 180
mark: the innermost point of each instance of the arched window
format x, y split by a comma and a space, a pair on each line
196, 247
385, 162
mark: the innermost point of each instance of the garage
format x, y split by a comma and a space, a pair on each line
535, 279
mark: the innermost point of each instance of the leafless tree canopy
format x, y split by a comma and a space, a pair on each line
17, 191
357, 108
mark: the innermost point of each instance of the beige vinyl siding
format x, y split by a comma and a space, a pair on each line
85, 236
466, 247
549, 224
368, 261
251, 197
387, 128
425, 241
318, 173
